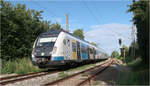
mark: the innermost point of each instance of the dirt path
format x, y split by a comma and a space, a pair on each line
109, 76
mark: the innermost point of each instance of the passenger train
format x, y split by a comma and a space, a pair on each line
55, 48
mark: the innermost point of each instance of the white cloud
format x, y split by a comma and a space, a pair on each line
107, 35
59, 20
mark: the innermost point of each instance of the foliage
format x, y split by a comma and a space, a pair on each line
82, 67
133, 78
19, 66
126, 51
135, 64
79, 33
95, 44
137, 76
62, 75
56, 26
141, 18
115, 54
20, 26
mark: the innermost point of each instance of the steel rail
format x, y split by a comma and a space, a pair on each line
16, 76
25, 78
65, 78
94, 75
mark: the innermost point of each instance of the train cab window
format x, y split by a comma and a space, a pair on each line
46, 41
64, 41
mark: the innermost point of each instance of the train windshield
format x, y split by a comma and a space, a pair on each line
47, 41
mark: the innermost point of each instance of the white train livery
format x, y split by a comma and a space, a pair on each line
58, 47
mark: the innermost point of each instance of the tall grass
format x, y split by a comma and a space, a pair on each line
134, 78
137, 76
18, 66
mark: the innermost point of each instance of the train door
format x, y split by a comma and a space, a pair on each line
94, 53
78, 51
91, 53
88, 52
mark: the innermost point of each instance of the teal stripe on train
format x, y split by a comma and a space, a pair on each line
58, 58
84, 56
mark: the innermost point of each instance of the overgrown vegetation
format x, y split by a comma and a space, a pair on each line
140, 11
139, 73
137, 76
82, 67
62, 75
20, 26
19, 66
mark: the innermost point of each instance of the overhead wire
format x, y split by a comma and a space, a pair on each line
97, 20
49, 11
90, 11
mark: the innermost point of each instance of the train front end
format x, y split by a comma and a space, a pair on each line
43, 48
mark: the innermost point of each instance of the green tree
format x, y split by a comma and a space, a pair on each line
140, 11
56, 26
106, 55
136, 47
126, 51
79, 33
115, 54
19, 29
95, 44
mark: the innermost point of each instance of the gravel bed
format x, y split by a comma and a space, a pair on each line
38, 81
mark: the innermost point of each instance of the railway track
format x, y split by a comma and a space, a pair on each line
78, 79
17, 78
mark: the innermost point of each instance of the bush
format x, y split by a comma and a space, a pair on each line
139, 75
19, 66
134, 78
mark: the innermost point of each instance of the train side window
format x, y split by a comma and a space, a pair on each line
91, 51
68, 42
73, 47
83, 49
64, 41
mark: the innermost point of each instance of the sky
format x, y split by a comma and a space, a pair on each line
103, 21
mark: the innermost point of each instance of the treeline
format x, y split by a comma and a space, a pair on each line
19, 28
140, 11
128, 52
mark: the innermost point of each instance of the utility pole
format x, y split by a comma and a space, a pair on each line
133, 39
67, 25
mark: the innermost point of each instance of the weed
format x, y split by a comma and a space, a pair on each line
138, 75
62, 75
96, 83
19, 66
82, 67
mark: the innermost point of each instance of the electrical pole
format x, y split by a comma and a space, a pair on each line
133, 39
67, 25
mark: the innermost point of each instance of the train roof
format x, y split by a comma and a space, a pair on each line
55, 32
51, 33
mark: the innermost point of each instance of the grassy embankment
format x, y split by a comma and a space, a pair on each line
80, 68
18, 66
139, 75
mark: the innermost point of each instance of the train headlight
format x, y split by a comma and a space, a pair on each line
33, 58
54, 50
